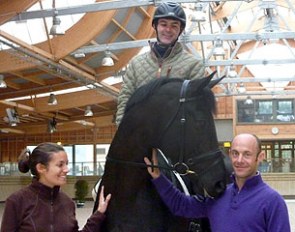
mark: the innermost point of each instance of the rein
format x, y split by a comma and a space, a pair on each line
172, 167
138, 164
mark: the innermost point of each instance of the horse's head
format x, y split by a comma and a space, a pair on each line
176, 116
199, 156
182, 127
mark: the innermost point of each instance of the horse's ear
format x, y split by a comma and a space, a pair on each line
214, 82
206, 81
211, 75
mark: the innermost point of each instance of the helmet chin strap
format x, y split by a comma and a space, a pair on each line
164, 45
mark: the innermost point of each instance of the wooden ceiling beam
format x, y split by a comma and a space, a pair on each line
125, 56
11, 130
12, 85
144, 12
66, 125
80, 64
10, 8
26, 45
123, 29
31, 78
17, 105
72, 100
65, 101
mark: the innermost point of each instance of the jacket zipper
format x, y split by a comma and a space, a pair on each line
51, 212
161, 61
160, 70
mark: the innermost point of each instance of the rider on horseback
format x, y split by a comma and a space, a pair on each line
166, 57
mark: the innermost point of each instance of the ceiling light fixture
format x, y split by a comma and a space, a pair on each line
52, 125
242, 88
2, 82
198, 14
107, 60
88, 112
12, 117
248, 101
232, 73
52, 100
218, 49
79, 55
56, 28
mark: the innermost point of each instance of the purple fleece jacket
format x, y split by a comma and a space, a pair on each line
256, 208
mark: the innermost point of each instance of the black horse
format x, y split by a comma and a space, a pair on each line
175, 116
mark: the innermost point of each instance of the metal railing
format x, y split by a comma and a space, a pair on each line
75, 169
274, 165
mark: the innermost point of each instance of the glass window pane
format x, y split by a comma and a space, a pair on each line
285, 107
101, 152
265, 107
84, 159
285, 111
245, 112
69, 151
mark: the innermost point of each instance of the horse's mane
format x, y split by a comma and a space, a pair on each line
210, 99
143, 93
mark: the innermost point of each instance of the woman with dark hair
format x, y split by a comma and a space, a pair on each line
42, 206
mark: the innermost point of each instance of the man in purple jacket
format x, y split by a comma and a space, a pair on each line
247, 205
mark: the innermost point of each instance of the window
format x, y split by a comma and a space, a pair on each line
264, 107
84, 160
285, 111
266, 111
101, 152
69, 151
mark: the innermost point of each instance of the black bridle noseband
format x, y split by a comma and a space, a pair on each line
180, 167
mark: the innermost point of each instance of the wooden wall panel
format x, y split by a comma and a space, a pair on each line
11, 147
264, 132
224, 108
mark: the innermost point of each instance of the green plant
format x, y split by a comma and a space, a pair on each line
81, 192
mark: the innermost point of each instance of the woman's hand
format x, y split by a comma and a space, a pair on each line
103, 202
154, 172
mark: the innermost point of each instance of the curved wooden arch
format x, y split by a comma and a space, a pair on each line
126, 55
10, 8
90, 26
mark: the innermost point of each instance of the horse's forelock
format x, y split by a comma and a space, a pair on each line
145, 91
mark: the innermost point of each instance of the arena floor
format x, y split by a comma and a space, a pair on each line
83, 213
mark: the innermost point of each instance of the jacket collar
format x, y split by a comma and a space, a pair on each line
250, 182
171, 51
44, 191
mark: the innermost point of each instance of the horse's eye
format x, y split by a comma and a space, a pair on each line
190, 161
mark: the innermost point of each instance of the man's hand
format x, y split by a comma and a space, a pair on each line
154, 172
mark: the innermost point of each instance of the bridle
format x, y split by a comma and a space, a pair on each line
180, 167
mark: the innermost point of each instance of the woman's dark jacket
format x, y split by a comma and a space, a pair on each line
38, 208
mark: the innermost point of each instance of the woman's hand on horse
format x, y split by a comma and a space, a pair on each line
103, 202
154, 172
